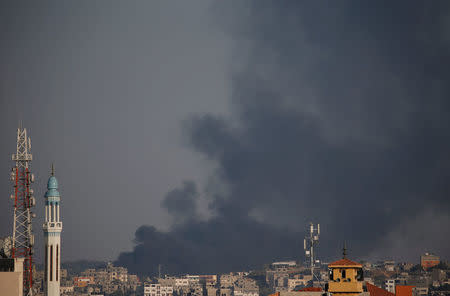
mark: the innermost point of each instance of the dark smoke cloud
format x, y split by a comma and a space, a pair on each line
181, 203
341, 117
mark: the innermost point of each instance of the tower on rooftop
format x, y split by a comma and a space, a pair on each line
345, 277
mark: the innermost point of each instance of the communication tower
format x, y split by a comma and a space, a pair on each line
23, 239
309, 243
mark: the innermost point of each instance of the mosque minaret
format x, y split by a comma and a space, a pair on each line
52, 235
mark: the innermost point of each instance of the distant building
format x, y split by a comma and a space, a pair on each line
157, 290
438, 275
226, 292
245, 293
428, 260
181, 282
147, 289
117, 272
211, 291
284, 264
210, 279
298, 282
392, 284
83, 281
406, 266
389, 265
389, 285
311, 291
420, 291
228, 280
66, 289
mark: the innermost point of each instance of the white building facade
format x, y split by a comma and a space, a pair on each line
157, 290
52, 235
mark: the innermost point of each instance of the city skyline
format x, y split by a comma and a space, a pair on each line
203, 128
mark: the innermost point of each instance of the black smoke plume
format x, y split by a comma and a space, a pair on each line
341, 116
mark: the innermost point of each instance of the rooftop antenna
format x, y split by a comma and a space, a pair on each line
344, 251
309, 243
53, 170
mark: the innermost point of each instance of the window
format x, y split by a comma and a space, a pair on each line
57, 257
360, 275
46, 262
51, 263
343, 275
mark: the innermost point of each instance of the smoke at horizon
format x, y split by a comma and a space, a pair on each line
341, 116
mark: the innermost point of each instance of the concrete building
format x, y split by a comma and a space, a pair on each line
389, 285
299, 293
238, 292
292, 283
83, 281
226, 292
157, 290
389, 265
420, 291
428, 260
11, 276
181, 282
66, 289
284, 264
438, 275
211, 291
52, 235
228, 280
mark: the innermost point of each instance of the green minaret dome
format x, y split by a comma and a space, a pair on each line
52, 183
52, 186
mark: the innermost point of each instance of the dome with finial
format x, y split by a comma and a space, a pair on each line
52, 185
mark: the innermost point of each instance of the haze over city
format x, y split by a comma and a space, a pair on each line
181, 130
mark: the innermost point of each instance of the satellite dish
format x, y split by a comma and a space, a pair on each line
6, 247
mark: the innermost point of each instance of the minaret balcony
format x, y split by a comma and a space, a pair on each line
53, 226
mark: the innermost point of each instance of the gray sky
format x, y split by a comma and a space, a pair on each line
199, 128
103, 89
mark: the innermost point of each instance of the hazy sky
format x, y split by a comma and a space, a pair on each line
103, 89
225, 127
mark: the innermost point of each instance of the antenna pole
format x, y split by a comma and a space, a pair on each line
309, 243
23, 238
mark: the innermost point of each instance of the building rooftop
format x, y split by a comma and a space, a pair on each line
375, 291
344, 262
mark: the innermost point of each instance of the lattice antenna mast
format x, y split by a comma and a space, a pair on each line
23, 239
311, 240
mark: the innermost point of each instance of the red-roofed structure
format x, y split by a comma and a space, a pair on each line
311, 289
403, 290
375, 291
344, 262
